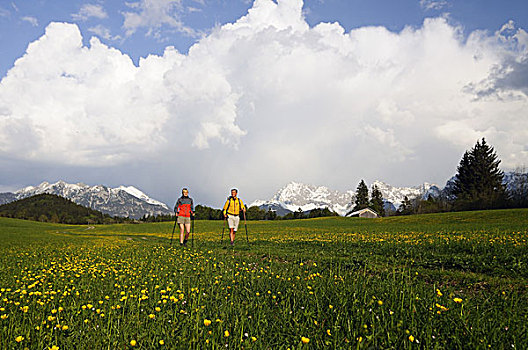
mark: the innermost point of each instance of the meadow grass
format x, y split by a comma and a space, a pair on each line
438, 281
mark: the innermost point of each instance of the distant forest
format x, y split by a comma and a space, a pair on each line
478, 185
203, 212
52, 208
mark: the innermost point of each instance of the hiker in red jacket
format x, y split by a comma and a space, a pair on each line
184, 209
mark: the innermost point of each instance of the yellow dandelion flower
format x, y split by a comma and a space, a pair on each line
161, 342
411, 338
54, 347
457, 300
207, 322
19, 339
305, 340
380, 302
65, 328
152, 316
133, 342
253, 339
226, 334
328, 332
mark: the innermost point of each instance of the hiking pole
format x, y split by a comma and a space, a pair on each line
223, 229
192, 231
172, 235
245, 225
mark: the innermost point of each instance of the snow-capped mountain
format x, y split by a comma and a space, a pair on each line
307, 197
121, 201
395, 195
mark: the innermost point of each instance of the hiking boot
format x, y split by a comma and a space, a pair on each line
185, 243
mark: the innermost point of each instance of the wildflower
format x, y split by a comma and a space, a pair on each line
157, 309
207, 322
54, 347
3, 317
65, 328
411, 338
152, 316
380, 302
305, 340
133, 342
253, 339
330, 307
328, 332
360, 339
439, 293
19, 339
161, 342
226, 334
457, 300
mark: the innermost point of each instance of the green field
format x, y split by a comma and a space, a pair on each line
438, 281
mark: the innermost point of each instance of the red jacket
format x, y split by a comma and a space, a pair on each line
184, 207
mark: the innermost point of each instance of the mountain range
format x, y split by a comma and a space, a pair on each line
307, 197
128, 201
124, 201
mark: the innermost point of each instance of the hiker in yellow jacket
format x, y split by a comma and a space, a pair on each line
232, 208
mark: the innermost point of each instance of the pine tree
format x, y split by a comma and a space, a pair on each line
478, 183
362, 196
376, 202
406, 207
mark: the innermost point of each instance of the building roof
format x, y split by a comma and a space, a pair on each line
359, 212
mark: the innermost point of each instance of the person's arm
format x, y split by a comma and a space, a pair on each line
225, 208
177, 206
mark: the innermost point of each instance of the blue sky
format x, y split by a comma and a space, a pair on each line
324, 92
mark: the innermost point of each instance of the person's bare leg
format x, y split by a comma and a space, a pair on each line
188, 229
182, 228
232, 235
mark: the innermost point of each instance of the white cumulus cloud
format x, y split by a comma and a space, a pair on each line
269, 99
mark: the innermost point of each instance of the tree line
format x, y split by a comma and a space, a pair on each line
203, 212
478, 185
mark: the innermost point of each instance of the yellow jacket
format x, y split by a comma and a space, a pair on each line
233, 206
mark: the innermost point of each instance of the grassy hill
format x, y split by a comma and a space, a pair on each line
435, 281
53, 208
